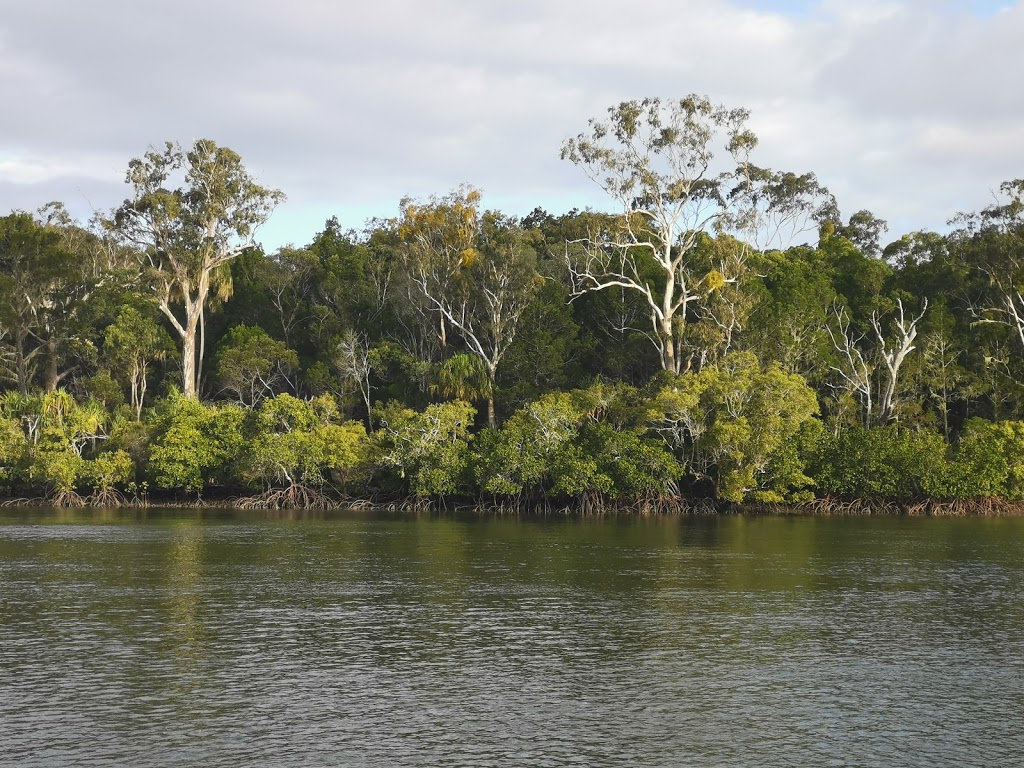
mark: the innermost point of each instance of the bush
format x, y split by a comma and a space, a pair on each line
988, 462
426, 451
574, 443
305, 442
884, 462
743, 427
194, 445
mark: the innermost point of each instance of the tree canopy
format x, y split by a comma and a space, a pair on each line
722, 333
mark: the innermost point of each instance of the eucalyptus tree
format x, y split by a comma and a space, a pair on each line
131, 343
189, 233
678, 169
991, 242
855, 367
438, 239
40, 284
474, 273
894, 336
893, 348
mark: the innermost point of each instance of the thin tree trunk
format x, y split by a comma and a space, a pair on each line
668, 346
52, 377
188, 360
22, 361
202, 348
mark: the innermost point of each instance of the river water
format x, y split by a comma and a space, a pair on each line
185, 638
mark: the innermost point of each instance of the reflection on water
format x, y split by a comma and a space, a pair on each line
197, 638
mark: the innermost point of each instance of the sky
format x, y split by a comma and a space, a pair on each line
912, 109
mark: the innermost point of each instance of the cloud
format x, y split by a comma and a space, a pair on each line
905, 107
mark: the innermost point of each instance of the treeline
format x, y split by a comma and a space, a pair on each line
724, 335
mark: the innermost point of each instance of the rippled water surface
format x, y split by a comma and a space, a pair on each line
180, 638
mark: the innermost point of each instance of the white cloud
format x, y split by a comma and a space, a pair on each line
910, 108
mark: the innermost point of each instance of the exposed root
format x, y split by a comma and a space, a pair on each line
22, 502
295, 496
106, 497
67, 499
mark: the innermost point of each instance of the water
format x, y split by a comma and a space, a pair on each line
180, 638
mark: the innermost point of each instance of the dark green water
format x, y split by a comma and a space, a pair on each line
190, 639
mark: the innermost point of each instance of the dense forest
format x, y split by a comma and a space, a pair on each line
722, 334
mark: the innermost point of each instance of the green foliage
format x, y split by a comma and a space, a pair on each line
250, 366
537, 449
722, 343
461, 377
109, 469
42, 289
988, 462
403, 376
571, 443
885, 462
130, 344
52, 443
635, 465
102, 388
428, 450
305, 442
788, 323
736, 423
541, 357
13, 450
194, 445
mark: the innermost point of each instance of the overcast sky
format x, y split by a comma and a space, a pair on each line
912, 109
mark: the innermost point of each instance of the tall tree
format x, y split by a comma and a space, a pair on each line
438, 240
131, 343
476, 275
190, 232
992, 242
678, 169
40, 286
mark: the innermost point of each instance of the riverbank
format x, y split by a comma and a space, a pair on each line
280, 501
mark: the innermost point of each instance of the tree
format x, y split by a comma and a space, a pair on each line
992, 242
438, 238
304, 444
865, 231
893, 352
194, 444
543, 355
657, 160
741, 425
884, 462
351, 359
274, 291
13, 449
251, 366
788, 323
131, 343
36, 271
476, 273
428, 451
58, 448
580, 443
190, 233
853, 369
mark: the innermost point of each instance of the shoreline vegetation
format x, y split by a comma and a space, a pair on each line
322, 502
723, 341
